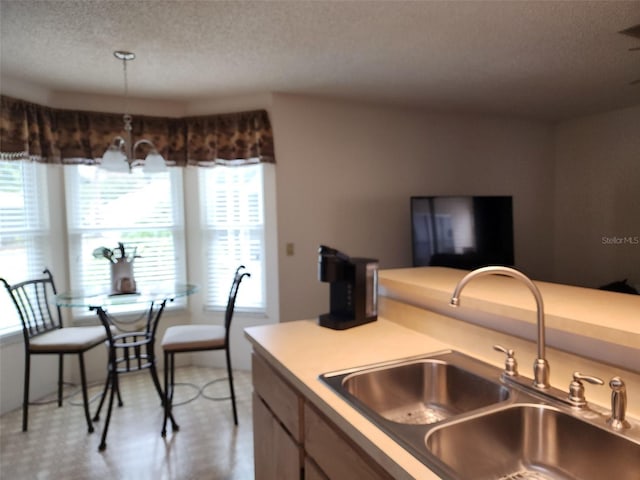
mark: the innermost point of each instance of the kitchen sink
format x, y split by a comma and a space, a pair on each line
421, 390
532, 441
458, 416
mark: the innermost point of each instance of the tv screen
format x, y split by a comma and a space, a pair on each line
465, 232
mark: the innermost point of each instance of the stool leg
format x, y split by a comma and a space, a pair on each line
114, 385
25, 398
120, 402
174, 426
169, 382
96, 417
167, 399
85, 399
233, 394
156, 381
60, 380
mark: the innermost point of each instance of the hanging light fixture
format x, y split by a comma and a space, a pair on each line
120, 156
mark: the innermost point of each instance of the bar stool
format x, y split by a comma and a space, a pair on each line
198, 338
44, 334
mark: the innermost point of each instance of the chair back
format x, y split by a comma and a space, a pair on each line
231, 303
35, 302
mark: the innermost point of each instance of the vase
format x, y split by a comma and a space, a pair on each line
122, 280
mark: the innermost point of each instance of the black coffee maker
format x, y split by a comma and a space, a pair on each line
353, 289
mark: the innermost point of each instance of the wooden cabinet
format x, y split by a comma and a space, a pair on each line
312, 471
293, 440
336, 455
277, 425
276, 455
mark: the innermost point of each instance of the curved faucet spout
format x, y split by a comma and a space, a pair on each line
540, 366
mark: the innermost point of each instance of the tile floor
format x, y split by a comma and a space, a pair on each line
208, 445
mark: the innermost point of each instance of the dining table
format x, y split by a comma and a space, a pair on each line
131, 322
102, 300
125, 310
120, 313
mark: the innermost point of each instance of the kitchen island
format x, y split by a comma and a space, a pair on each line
301, 424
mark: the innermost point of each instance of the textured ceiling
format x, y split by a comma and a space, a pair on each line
548, 59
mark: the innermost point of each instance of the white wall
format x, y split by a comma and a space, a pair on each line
598, 195
346, 171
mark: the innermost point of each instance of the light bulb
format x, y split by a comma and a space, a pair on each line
154, 163
114, 161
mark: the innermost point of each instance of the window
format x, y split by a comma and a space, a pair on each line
232, 202
143, 211
24, 230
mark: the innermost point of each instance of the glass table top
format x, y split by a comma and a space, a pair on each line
146, 295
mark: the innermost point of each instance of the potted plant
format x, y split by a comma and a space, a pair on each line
122, 278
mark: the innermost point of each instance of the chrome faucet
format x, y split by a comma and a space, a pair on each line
540, 365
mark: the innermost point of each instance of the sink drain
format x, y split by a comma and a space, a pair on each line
418, 416
525, 475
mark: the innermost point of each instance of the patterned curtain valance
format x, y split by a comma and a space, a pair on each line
51, 135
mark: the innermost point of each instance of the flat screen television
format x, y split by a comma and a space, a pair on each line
464, 232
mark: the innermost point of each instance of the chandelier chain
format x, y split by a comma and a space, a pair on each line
126, 86
121, 153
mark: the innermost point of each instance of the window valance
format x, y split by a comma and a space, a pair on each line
51, 135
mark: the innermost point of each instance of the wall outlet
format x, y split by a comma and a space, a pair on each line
290, 249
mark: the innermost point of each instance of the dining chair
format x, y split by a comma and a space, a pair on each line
44, 334
198, 338
129, 351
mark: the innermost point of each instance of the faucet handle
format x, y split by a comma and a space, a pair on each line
576, 388
510, 364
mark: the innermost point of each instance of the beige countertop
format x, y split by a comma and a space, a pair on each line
302, 350
593, 324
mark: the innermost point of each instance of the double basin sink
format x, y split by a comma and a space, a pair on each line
456, 415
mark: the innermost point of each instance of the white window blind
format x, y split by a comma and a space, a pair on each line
24, 231
143, 211
232, 202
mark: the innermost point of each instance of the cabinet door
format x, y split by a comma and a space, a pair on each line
336, 455
283, 401
276, 455
312, 471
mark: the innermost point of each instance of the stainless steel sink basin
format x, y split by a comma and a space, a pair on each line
420, 391
457, 416
532, 442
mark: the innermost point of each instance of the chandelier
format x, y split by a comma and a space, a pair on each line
120, 156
